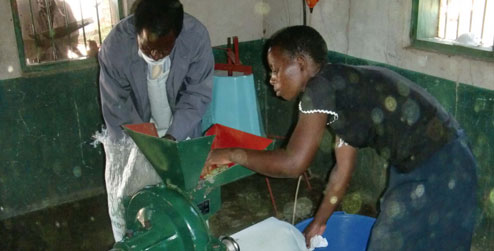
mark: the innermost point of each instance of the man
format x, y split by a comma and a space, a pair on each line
160, 35
155, 66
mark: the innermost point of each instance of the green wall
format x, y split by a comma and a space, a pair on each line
46, 127
47, 122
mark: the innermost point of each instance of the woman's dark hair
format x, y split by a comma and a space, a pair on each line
301, 40
159, 16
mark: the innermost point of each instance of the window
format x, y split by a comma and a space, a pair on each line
61, 30
464, 27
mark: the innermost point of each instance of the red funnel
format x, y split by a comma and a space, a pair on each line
144, 128
227, 137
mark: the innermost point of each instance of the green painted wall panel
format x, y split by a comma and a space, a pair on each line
47, 123
476, 115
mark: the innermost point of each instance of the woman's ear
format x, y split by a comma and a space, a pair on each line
302, 62
307, 65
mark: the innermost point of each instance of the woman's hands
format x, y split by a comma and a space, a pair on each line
216, 157
335, 189
314, 228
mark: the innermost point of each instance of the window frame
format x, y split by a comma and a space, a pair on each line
52, 65
423, 30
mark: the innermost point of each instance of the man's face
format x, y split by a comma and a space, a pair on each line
154, 46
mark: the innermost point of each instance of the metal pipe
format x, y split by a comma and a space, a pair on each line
446, 20
483, 21
83, 26
33, 25
66, 21
471, 16
110, 6
97, 17
458, 24
50, 29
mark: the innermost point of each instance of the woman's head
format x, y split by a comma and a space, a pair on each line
295, 55
301, 40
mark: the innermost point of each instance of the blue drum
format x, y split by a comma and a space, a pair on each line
349, 232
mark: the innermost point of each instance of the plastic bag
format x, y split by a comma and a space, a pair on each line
126, 172
270, 234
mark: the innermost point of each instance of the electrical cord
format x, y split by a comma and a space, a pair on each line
295, 202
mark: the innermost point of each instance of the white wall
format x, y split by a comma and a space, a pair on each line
226, 18
378, 30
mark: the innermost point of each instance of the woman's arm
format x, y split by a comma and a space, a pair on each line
335, 190
289, 162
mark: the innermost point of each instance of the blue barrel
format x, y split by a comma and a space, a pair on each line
349, 232
234, 104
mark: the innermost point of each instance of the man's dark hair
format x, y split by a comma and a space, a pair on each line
301, 40
159, 16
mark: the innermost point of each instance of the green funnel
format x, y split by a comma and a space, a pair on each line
181, 163
177, 163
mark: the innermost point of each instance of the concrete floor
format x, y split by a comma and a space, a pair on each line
85, 225
247, 202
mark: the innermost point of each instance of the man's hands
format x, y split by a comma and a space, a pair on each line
169, 137
314, 228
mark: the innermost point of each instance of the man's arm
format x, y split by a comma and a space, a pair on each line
196, 94
117, 105
335, 190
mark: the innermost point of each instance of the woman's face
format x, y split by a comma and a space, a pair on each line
286, 74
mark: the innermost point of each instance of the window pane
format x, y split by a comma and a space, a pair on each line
54, 30
467, 22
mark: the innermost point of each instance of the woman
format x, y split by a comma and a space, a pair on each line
431, 167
